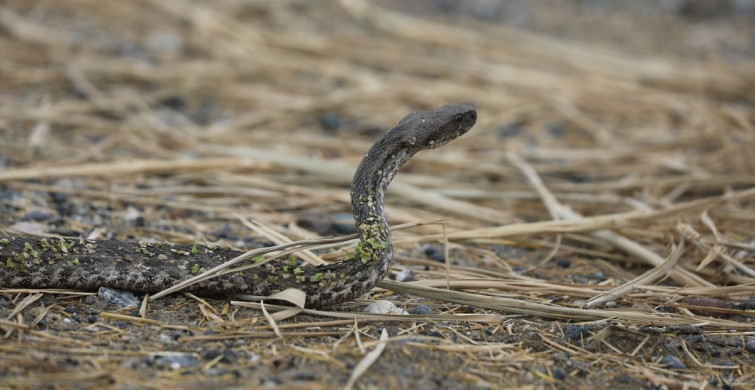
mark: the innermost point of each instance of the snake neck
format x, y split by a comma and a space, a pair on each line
371, 180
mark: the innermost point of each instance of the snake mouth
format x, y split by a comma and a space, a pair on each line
432, 144
436, 143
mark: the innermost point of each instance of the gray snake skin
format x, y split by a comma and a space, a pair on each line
33, 262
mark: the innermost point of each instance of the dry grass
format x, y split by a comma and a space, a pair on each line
636, 166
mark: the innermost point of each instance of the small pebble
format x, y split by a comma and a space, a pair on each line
576, 332
222, 232
611, 304
320, 223
690, 329
747, 305
330, 121
560, 356
434, 254
383, 307
228, 355
511, 130
506, 251
177, 361
563, 263
559, 373
697, 10
140, 222
72, 361
624, 378
129, 214
421, 310
36, 215
306, 376
750, 345
344, 223
30, 227
555, 130
59, 198
580, 279
167, 43
406, 275
120, 298
176, 103
672, 362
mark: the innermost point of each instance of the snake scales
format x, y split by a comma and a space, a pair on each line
33, 262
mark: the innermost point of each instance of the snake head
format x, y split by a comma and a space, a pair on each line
431, 129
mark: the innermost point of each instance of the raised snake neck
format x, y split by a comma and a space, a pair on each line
32, 262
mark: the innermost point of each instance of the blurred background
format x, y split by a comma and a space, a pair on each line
645, 88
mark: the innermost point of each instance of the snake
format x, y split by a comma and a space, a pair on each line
81, 264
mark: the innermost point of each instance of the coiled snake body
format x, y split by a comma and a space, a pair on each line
32, 262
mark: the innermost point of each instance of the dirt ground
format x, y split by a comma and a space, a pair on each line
615, 146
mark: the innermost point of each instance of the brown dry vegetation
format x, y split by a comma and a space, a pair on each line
600, 216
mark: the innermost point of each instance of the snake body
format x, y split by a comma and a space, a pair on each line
33, 262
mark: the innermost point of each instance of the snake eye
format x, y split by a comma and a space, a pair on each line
458, 118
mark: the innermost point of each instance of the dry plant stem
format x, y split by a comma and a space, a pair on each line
714, 251
447, 257
589, 223
120, 168
554, 311
554, 207
278, 238
361, 316
644, 279
368, 360
686, 277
